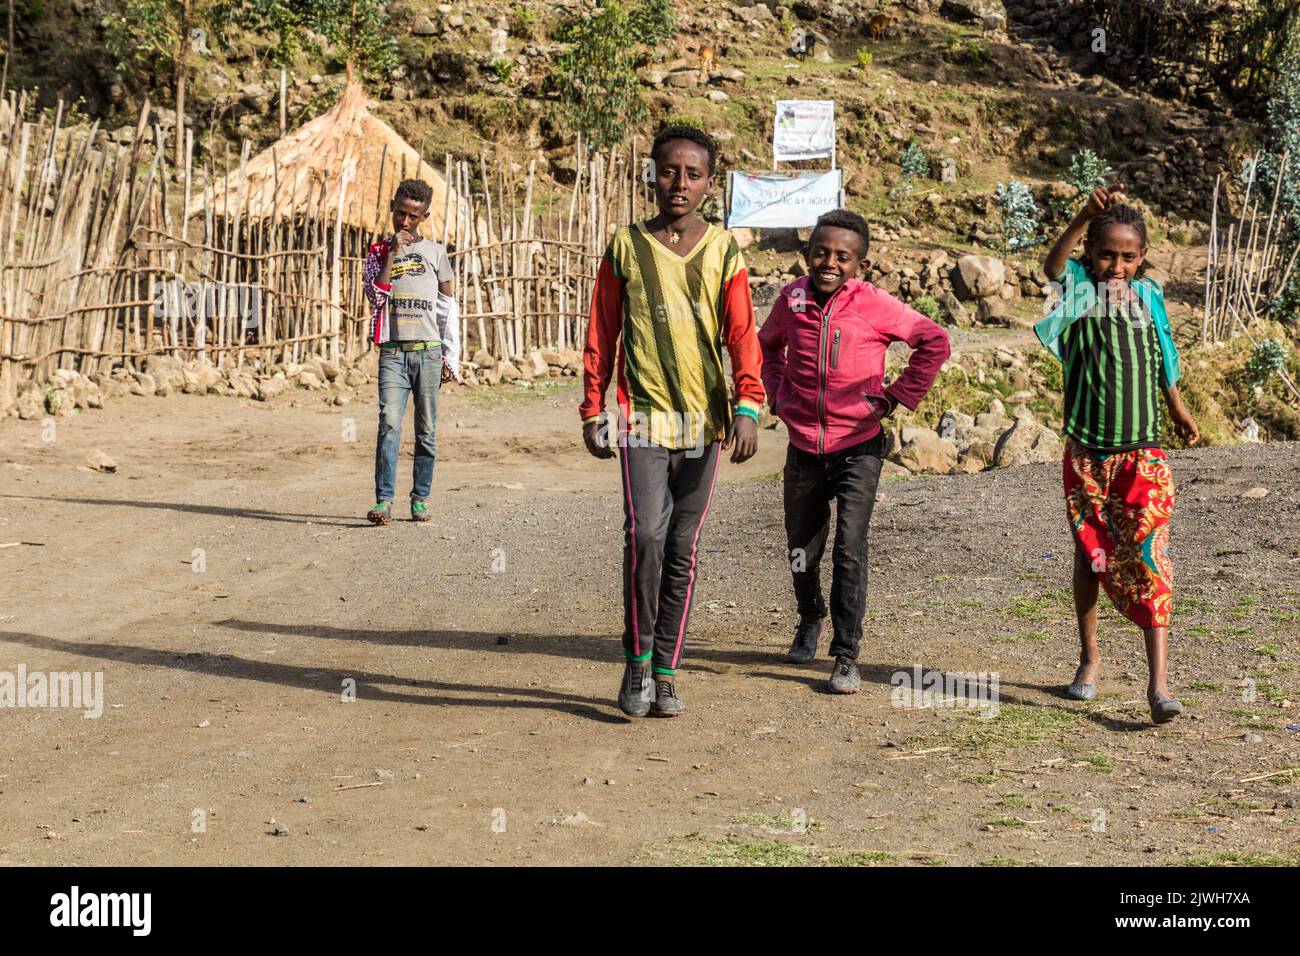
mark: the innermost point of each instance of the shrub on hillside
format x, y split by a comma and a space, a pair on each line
1019, 216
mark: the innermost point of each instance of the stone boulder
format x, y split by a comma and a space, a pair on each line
683, 79
925, 452
979, 277
972, 11
1026, 442
30, 405
536, 364
269, 388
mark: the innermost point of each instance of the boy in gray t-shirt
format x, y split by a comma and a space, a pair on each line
417, 329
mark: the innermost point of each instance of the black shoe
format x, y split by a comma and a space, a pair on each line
844, 677
637, 692
667, 703
804, 648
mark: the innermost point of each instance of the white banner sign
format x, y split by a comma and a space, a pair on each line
805, 129
780, 200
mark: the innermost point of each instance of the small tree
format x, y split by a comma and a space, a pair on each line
157, 37
652, 21
595, 78
1087, 171
1019, 216
914, 161
359, 28
1284, 124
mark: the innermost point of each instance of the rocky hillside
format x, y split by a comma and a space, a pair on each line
1001, 102
989, 93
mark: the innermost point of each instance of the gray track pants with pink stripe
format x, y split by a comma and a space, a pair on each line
666, 496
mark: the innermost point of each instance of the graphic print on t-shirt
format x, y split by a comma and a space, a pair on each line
411, 264
415, 274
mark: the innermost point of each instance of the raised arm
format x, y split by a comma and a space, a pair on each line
1100, 200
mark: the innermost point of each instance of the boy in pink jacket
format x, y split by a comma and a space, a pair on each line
824, 368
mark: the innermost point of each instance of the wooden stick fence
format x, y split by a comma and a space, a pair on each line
109, 256
1247, 264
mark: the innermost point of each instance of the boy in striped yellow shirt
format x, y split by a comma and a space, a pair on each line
670, 294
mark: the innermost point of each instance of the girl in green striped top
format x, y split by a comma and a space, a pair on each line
1113, 338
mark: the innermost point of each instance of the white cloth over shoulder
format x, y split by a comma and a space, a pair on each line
449, 332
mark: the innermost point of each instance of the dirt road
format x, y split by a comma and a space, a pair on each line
225, 586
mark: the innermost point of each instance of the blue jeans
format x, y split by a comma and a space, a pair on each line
401, 374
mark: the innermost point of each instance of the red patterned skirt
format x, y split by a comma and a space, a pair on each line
1119, 508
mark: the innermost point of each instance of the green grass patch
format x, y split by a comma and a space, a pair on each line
1001, 861
1206, 685
511, 394
1268, 650
1099, 762
1035, 605
1236, 858
775, 821
1010, 823
1015, 725
732, 851
1014, 801
1023, 636
982, 779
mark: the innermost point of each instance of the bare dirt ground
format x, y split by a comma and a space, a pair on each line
224, 686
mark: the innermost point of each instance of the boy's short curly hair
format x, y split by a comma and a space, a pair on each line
845, 219
1120, 215
687, 132
416, 189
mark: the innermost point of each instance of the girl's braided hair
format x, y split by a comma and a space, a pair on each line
1120, 215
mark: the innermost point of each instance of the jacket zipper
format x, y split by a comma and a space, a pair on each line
821, 374
835, 350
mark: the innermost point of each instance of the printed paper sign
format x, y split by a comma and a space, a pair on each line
781, 200
804, 129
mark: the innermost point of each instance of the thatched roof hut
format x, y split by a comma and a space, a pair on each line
345, 153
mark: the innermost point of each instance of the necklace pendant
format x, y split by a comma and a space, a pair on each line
674, 237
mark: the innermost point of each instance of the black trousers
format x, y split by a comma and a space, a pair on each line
850, 478
666, 496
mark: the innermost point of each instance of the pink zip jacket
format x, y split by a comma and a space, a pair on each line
820, 367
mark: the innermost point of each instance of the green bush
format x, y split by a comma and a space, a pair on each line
1265, 360
1284, 123
652, 21
1019, 216
1087, 171
929, 308
914, 161
503, 69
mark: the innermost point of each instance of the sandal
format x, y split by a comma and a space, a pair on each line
420, 511
1165, 710
381, 513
